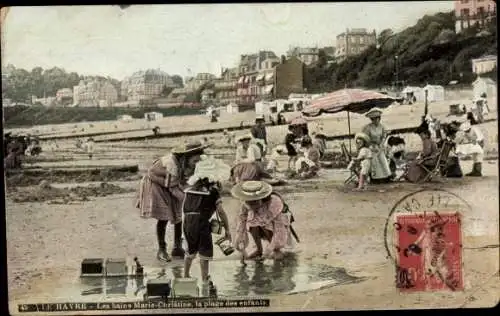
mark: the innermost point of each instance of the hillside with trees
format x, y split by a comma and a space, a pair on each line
428, 52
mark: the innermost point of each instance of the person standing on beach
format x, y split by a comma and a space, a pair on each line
258, 131
380, 170
89, 147
201, 202
161, 194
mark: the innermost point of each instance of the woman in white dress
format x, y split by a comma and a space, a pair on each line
380, 171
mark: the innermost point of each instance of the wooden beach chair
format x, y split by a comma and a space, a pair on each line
354, 177
437, 169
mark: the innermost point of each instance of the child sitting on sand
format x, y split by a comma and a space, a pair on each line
363, 159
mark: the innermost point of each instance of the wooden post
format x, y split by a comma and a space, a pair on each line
349, 127
426, 103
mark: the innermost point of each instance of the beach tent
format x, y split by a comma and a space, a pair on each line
484, 85
232, 108
418, 93
434, 93
153, 116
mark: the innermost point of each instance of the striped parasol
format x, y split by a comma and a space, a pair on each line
351, 100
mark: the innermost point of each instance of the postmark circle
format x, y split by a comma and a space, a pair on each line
433, 201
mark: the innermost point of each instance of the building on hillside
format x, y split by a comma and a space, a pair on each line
108, 94
253, 69
195, 83
353, 42
225, 86
484, 64
92, 92
64, 95
146, 85
473, 12
276, 80
288, 78
308, 55
484, 85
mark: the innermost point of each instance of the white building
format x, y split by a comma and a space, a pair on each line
484, 64
434, 93
484, 85
232, 108
153, 116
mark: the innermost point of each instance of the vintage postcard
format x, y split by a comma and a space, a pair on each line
250, 157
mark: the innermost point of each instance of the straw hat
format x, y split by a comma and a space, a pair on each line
251, 190
373, 113
260, 117
189, 147
244, 137
213, 169
465, 126
362, 136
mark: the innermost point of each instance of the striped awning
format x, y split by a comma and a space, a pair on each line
269, 76
260, 77
241, 79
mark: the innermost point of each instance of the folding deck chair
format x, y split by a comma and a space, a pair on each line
438, 168
354, 173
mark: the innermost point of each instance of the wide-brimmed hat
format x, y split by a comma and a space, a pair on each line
362, 136
244, 137
373, 113
465, 126
189, 147
298, 121
260, 117
214, 170
251, 190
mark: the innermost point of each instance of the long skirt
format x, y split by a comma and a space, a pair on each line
380, 166
156, 201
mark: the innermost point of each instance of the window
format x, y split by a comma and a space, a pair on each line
361, 40
353, 40
480, 11
464, 1
465, 12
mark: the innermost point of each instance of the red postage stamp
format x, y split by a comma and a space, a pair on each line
429, 251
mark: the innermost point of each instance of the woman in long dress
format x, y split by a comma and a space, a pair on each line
161, 194
380, 171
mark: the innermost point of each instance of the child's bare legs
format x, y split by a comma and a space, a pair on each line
188, 261
204, 269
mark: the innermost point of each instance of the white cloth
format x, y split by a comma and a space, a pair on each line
214, 170
473, 150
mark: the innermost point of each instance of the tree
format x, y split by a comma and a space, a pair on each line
384, 36
178, 81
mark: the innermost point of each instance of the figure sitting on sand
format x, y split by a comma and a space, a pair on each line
427, 157
471, 142
89, 147
264, 215
249, 149
308, 165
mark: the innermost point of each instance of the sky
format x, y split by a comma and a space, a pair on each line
186, 39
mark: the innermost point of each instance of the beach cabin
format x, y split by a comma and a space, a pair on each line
484, 85
434, 93
413, 94
232, 108
153, 116
125, 118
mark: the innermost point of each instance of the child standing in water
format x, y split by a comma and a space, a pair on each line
363, 159
201, 201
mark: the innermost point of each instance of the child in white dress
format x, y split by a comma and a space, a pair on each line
363, 159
